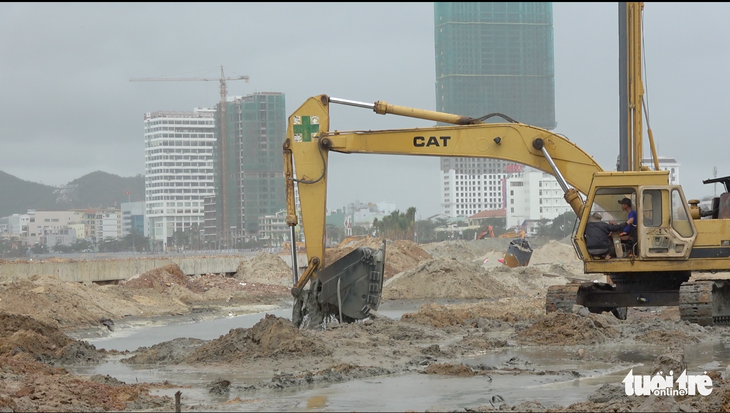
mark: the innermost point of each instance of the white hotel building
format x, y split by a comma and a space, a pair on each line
178, 169
472, 185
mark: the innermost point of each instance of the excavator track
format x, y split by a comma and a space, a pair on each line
705, 302
561, 297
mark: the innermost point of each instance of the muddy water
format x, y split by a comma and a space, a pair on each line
131, 338
558, 385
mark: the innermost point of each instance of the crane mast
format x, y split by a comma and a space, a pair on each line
631, 90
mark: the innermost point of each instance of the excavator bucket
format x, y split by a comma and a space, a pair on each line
518, 254
354, 283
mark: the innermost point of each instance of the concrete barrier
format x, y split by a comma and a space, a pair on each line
114, 270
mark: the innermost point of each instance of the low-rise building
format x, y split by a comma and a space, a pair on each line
535, 195
62, 236
42, 222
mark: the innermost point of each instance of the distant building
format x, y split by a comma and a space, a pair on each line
534, 196
178, 170
133, 218
273, 230
665, 164
491, 58
18, 224
41, 223
483, 217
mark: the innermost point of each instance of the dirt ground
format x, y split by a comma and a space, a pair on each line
472, 306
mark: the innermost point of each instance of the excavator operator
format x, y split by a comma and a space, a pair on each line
598, 236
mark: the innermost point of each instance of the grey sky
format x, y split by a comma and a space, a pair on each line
69, 109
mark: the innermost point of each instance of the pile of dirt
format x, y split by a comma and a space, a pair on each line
530, 279
265, 268
160, 292
168, 352
272, 337
440, 278
161, 279
27, 385
481, 314
464, 250
42, 342
561, 328
62, 304
554, 252
399, 255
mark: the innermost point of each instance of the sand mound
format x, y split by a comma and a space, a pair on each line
62, 304
41, 341
463, 250
160, 279
568, 329
271, 337
265, 268
554, 252
440, 278
399, 255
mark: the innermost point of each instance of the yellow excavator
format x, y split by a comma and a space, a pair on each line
672, 240
513, 233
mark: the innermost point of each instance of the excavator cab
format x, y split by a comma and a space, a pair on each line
664, 229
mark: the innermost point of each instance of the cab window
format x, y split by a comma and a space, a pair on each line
680, 218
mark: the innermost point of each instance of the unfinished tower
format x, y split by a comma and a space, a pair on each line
491, 58
256, 129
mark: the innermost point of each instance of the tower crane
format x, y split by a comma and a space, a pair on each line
223, 134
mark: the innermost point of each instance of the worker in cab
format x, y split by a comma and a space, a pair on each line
598, 236
628, 233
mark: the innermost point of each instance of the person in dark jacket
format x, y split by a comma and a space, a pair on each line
598, 240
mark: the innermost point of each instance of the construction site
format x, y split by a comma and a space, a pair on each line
629, 312
458, 330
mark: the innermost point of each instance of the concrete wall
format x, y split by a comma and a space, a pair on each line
110, 270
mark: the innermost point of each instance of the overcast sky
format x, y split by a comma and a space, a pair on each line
67, 107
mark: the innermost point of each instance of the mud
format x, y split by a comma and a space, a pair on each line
569, 329
271, 337
477, 339
28, 351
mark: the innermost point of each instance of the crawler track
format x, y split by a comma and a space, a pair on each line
561, 297
704, 302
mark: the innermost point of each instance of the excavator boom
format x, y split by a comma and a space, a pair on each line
310, 141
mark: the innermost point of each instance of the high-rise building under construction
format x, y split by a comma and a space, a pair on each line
491, 58
251, 160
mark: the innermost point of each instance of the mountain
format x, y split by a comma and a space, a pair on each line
95, 190
101, 189
17, 195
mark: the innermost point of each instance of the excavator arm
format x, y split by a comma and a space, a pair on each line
309, 142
